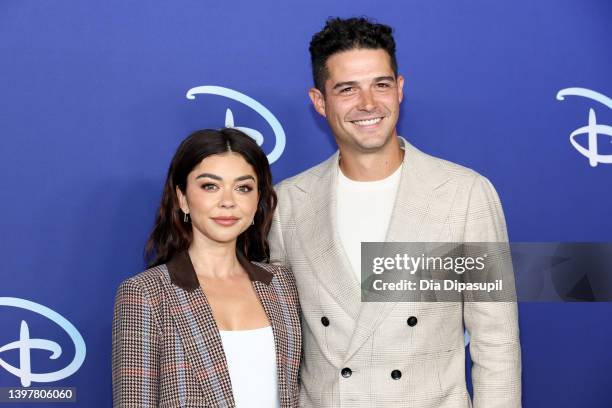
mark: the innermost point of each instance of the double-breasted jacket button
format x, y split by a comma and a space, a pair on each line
325, 321
346, 372
396, 374
412, 321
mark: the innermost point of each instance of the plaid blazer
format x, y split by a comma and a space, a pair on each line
167, 350
393, 354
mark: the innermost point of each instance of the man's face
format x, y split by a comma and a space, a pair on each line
362, 99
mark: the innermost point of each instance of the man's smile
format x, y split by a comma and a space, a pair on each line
367, 122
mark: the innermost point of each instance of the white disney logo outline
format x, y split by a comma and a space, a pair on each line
25, 344
277, 128
593, 129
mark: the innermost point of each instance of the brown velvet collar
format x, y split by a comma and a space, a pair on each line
183, 275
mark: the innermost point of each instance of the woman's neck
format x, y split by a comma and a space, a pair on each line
216, 260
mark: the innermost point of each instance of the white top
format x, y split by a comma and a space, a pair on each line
363, 212
251, 360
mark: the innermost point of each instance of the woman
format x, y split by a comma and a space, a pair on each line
209, 324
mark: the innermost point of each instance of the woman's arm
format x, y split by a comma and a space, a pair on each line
135, 349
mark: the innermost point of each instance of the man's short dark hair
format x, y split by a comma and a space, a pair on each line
347, 34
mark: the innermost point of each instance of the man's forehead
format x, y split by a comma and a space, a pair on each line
359, 64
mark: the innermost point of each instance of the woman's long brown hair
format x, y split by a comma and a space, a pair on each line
171, 235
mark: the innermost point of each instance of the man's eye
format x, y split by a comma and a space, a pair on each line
383, 85
244, 189
209, 187
347, 90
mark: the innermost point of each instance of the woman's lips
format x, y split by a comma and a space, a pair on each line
225, 221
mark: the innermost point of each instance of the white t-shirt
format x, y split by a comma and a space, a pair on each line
364, 210
251, 361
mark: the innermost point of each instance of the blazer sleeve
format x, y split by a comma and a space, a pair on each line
493, 326
135, 349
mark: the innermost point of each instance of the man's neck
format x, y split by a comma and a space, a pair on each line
374, 166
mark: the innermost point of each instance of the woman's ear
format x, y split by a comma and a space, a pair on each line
182, 199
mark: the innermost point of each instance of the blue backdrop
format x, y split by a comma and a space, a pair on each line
93, 104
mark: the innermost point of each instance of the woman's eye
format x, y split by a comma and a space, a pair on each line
244, 189
209, 187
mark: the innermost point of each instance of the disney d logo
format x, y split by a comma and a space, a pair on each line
593, 129
25, 344
279, 133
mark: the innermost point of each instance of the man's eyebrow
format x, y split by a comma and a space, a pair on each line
215, 177
355, 83
384, 78
346, 83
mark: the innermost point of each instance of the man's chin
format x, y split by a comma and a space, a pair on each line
372, 144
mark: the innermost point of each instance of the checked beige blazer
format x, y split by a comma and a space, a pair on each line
408, 354
167, 351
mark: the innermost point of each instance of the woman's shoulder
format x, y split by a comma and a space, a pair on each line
277, 270
274, 268
281, 273
148, 282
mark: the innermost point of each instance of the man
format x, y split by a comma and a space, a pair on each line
378, 187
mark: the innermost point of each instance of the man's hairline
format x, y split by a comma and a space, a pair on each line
395, 74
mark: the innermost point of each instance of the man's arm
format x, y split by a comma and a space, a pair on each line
493, 326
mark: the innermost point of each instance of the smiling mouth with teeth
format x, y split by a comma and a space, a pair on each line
367, 122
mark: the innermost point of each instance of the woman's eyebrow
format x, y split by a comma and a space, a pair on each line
245, 177
210, 175
215, 177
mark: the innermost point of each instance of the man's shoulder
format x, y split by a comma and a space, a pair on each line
430, 167
308, 176
427, 167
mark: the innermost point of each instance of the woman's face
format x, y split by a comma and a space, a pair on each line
221, 198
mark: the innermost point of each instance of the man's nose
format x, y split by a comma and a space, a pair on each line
366, 100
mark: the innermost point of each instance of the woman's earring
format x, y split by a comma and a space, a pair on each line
185, 218
253, 221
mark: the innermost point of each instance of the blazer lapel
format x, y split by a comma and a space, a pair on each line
422, 204
200, 336
418, 216
320, 241
202, 343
